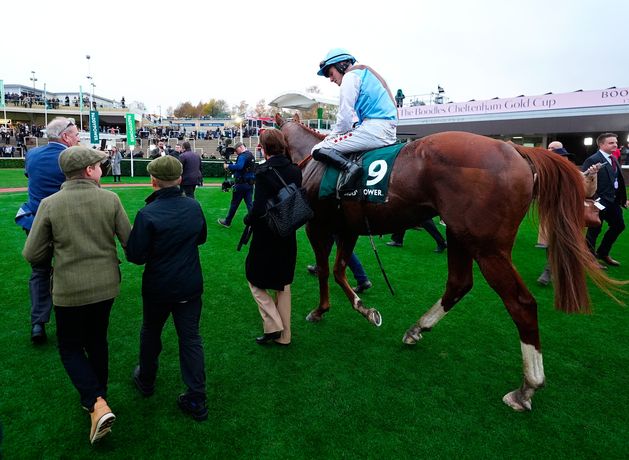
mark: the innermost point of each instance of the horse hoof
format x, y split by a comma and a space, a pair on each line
410, 339
516, 403
375, 317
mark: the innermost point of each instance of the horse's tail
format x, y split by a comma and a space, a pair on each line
560, 193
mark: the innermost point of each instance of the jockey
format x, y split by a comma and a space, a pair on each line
364, 94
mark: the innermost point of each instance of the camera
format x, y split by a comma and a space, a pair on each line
227, 185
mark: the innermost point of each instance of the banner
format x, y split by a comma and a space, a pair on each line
1, 93
130, 120
94, 134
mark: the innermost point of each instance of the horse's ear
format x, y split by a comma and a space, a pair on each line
296, 118
279, 121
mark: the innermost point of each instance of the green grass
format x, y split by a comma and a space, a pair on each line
343, 389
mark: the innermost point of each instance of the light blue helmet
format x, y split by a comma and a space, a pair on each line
334, 56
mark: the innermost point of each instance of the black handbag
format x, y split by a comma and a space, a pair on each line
288, 210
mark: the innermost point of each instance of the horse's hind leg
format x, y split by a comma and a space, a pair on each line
502, 277
459, 283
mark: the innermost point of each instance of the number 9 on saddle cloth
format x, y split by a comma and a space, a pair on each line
373, 183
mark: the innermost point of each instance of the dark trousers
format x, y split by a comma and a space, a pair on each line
186, 317
241, 192
188, 190
39, 289
83, 347
612, 214
430, 228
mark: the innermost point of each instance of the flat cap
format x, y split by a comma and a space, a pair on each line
79, 157
165, 168
238, 144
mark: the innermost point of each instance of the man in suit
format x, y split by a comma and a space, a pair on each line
191, 176
613, 195
44, 178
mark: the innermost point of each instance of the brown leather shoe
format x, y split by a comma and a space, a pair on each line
609, 261
102, 420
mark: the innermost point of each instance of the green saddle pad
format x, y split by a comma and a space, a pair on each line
373, 186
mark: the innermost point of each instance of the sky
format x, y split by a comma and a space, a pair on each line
166, 53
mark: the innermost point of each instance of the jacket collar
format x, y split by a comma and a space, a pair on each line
276, 161
80, 183
169, 192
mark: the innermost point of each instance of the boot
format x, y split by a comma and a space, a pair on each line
102, 420
353, 172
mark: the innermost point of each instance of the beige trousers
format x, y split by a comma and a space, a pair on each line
274, 310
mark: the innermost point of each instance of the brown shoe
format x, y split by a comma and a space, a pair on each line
609, 261
102, 420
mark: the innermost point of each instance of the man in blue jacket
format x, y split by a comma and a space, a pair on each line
166, 236
244, 176
44, 178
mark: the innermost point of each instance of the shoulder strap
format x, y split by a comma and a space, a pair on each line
377, 75
278, 175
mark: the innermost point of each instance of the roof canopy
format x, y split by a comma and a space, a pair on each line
301, 101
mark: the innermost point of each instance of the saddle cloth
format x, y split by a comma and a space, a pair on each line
374, 184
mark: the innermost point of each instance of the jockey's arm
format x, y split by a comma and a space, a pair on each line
350, 88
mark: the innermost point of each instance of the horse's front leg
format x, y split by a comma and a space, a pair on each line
344, 249
321, 243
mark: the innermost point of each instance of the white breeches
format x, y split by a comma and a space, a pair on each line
370, 135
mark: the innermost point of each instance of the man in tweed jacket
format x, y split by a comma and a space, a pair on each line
78, 226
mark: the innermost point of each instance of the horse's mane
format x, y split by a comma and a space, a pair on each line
312, 131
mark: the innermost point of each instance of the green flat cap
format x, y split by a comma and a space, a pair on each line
79, 157
165, 168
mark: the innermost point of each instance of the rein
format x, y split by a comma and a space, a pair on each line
302, 164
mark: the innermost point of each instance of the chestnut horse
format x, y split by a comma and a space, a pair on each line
482, 189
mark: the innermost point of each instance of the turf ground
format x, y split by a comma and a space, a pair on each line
343, 389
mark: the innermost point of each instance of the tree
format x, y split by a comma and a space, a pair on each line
215, 108
184, 110
262, 110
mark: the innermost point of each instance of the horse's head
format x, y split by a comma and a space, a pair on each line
299, 137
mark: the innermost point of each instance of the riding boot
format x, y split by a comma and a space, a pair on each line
353, 171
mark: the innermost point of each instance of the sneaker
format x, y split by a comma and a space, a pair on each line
195, 407
102, 420
541, 246
362, 287
224, 223
440, 248
395, 244
145, 389
312, 269
38, 333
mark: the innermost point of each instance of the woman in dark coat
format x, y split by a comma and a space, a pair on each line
270, 264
